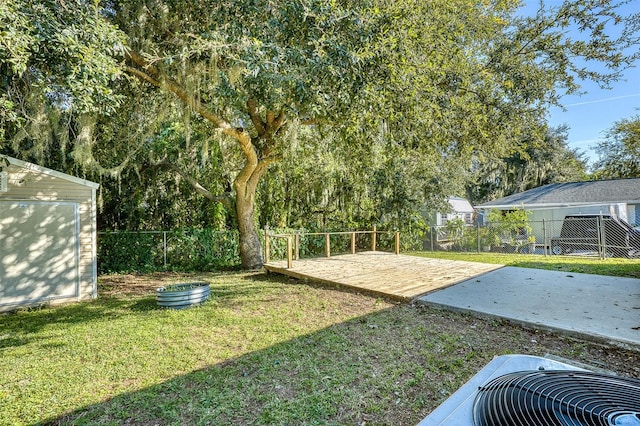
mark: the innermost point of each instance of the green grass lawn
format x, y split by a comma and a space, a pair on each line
264, 350
617, 267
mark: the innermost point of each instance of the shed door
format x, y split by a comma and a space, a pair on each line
38, 251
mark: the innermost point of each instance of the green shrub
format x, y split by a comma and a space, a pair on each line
184, 250
202, 249
128, 252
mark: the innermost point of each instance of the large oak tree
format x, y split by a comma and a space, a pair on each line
250, 69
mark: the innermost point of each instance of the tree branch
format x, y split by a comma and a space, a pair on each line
270, 117
255, 117
153, 75
224, 199
260, 170
251, 164
148, 72
279, 120
142, 75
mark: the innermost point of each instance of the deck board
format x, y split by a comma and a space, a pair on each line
400, 277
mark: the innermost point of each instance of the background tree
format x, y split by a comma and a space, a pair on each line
329, 184
541, 163
619, 152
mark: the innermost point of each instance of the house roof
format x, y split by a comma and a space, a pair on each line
50, 172
460, 205
573, 193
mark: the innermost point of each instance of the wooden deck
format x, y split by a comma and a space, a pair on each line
396, 276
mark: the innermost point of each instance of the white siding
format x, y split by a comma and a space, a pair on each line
27, 182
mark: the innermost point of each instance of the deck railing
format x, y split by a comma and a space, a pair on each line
293, 242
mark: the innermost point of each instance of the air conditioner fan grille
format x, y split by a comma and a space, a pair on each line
558, 398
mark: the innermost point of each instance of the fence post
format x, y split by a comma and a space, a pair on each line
296, 243
431, 239
353, 243
327, 244
373, 238
397, 240
544, 237
266, 244
478, 235
164, 247
602, 238
289, 253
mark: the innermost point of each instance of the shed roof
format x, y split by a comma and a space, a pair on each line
49, 172
573, 193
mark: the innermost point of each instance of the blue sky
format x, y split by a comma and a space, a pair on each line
590, 115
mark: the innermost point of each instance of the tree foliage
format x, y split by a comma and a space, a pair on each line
56, 52
329, 183
59, 62
542, 163
619, 152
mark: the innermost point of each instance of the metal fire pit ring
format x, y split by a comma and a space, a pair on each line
183, 295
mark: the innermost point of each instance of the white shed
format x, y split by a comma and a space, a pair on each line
47, 236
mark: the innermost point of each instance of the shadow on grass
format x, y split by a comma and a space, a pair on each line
380, 368
391, 366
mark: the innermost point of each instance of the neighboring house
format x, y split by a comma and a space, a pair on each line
47, 236
549, 204
620, 197
460, 208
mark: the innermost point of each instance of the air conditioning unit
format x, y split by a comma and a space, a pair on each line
4, 181
515, 390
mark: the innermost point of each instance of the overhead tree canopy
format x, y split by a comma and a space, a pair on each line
58, 60
65, 50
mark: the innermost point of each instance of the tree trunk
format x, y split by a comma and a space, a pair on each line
245, 185
250, 247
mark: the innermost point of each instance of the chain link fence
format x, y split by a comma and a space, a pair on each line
577, 235
204, 249
179, 250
